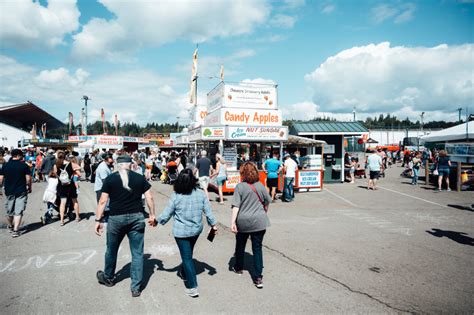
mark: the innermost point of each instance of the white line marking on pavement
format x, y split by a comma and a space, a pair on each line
407, 195
342, 198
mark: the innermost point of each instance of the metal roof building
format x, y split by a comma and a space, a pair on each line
333, 133
23, 116
16, 122
329, 128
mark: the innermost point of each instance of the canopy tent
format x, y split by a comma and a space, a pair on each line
308, 142
460, 132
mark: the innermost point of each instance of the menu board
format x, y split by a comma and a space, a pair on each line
230, 157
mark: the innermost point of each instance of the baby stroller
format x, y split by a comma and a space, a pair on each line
155, 171
52, 213
172, 170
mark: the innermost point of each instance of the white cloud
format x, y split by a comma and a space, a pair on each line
400, 13
153, 23
300, 111
328, 9
283, 21
25, 24
382, 79
135, 95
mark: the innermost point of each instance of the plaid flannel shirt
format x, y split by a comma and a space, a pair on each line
187, 212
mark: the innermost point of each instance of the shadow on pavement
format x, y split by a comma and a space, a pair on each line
248, 263
458, 237
199, 266
149, 267
465, 208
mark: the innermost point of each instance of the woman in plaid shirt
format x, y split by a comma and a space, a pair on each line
186, 205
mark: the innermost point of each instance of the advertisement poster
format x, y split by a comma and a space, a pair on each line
258, 133
212, 133
230, 157
242, 96
308, 179
198, 113
247, 117
233, 178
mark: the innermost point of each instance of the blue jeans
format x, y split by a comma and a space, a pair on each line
288, 192
416, 171
188, 270
241, 241
133, 226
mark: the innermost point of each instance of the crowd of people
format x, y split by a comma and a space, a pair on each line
123, 188
378, 160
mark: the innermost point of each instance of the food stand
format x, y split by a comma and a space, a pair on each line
242, 122
309, 176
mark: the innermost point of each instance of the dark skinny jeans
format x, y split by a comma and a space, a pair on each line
188, 270
240, 242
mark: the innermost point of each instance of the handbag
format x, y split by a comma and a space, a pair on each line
265, 207
435, 172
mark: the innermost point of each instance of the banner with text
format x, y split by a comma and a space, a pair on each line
248, 117
257, 133
242, 96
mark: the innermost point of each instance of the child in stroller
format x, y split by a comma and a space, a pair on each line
172, 171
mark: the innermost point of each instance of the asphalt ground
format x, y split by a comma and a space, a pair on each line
343, 250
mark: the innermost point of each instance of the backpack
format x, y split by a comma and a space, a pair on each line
64, 176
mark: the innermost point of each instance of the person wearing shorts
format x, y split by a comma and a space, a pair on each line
17, 178
272, 167
374, 164
204, 169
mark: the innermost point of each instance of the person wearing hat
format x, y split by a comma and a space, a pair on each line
103, 170
17, 178
290, 168
124, 189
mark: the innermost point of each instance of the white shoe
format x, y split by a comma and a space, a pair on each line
192, 292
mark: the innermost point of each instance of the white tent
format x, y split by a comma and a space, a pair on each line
460, 132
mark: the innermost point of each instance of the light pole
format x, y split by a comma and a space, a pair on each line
459, 110
354, 114
85, 98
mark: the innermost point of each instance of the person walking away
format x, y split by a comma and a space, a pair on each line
290, 167
87, 166
221, 173
49, 197
124, 189
101, 173
249, 219
272, 167
47, 164
186, 206
443, 163
39, 160
66, 188
416, 161
204, 168
2, 162
374, 164
18, 183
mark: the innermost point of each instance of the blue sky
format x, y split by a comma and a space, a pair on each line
133, 58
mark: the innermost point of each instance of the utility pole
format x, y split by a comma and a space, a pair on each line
459, 110
85, 98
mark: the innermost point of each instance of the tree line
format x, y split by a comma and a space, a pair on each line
386, 122
133, 129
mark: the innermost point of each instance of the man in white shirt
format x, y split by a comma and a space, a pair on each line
290, 167
374, 164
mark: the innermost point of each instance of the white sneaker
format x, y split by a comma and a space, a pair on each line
192, 292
